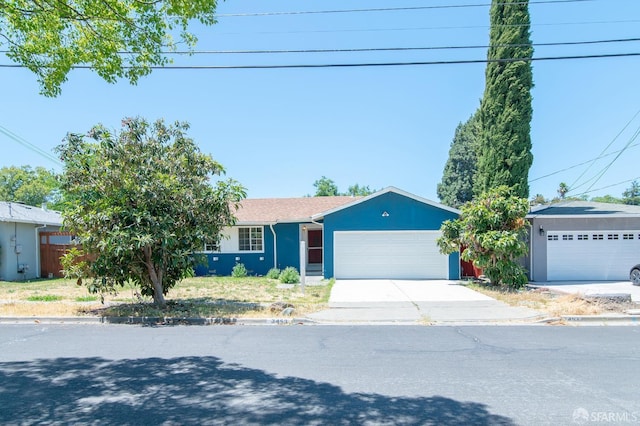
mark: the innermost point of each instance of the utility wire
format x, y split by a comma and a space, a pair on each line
391, 49
573, 185
394, 9
608, 166
358, 65
608, 186
448, 27
580, 164
29, 145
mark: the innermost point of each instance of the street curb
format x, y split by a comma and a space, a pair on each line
156, 321
601, 318
170, 321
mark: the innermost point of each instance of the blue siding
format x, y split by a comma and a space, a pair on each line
405, 214
256, 263
288, 243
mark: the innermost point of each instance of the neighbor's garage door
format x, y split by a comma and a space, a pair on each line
588, 255
389, 254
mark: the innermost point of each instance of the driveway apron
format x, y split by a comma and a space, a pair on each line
411, 301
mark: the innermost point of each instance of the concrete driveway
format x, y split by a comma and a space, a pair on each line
388, 291
415, 301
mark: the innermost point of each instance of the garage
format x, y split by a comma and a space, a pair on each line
389, 254
589, 255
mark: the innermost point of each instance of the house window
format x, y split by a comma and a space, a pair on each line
552, 237
627, 236
567, 237
250, 239
597, 237
583, 237
211, 246
612, 236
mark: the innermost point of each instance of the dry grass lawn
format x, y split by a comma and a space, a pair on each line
553, 304
203, 297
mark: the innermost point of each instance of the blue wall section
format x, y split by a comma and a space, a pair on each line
257, 263
404, 214
288, 243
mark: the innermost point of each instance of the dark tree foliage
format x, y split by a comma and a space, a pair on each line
456, 187
631, 195
504, 155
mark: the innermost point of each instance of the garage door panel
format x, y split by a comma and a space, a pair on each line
588, 255
389, 254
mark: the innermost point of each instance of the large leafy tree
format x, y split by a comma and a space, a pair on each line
493, 229
631, 195
456, 187
30, 186
116, 38
143, 204
325, 187
356, 190
504, 155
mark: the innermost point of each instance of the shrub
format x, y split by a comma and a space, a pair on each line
239, 271
274, 273
289, 275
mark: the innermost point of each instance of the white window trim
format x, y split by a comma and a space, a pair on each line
251, 229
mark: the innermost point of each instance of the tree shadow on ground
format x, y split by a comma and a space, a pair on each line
203, 390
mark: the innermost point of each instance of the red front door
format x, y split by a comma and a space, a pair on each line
315, 245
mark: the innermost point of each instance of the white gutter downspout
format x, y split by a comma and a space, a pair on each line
275, 246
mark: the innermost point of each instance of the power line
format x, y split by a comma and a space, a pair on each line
573, 185
393, 9
608, 166
361, 64
29, 145
394, 49
448, 27
605, 187
580, 164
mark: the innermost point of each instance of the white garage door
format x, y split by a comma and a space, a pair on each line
389, 254
588, 255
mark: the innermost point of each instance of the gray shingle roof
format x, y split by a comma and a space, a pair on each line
21, 213
585, 208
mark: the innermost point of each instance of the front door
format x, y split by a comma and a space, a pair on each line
315, 246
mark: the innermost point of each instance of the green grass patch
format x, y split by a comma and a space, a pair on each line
44, 298
86, 299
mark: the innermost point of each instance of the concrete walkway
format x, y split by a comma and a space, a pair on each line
415, 301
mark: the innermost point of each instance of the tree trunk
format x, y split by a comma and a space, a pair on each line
156, 280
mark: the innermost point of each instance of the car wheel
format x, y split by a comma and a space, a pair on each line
635, 276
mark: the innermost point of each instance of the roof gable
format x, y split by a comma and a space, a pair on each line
382, 192
22, 213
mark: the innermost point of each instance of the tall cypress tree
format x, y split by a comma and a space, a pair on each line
456, 187
504, 148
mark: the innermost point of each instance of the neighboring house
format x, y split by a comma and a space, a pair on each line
20, 228
388, 234
580, 240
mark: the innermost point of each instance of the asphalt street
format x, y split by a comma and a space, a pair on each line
339, 375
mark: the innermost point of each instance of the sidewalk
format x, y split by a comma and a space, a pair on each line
419, 302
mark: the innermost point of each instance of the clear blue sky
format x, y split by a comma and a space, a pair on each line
277, 131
